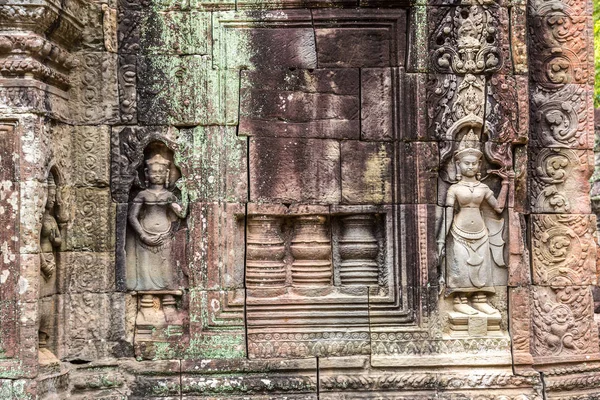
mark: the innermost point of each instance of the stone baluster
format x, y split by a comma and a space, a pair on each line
311, 249
265, 250
358, 250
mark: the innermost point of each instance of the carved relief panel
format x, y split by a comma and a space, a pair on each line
306, 265
151, 227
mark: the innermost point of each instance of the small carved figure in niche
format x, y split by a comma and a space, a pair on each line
471, 240
50, 237
150, 265
50, 241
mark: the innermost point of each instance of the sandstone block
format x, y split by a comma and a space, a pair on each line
563, 117
367, 172
419, 172
95, 92
507, 109
520, 325
127, 80
388, 111
218, 330
185, 91
378, 38
294, 170
87, 271
9, 239
8, 149
217, 165
264, 40
300, 103
561, 52
90, 149
563, 325
92, 216
448, 52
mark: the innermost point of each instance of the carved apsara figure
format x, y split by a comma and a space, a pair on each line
151, 216
50, 241
471, 239
50, 237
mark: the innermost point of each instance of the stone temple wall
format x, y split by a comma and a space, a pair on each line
297, 199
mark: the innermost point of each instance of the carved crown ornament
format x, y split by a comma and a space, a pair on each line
466, 41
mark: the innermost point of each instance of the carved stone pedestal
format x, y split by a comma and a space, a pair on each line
478, 325
158, 318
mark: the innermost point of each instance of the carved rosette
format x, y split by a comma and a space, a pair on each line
311, 249
563, 249
265, 250
559, 180
358, 250
560, 38
563, 118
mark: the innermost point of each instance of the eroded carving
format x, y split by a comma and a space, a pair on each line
154, 217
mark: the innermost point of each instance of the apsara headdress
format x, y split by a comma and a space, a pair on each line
469, 145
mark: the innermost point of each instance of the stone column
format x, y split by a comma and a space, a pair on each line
561, 161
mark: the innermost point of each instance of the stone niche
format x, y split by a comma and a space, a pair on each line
299, 199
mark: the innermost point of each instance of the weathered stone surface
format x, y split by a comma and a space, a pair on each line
519, 308
518, 32
92, 217
217, 326
90, 147
172, 32
217, 164
264, 40
471, 39
185, 91
321, 103
507, 115
563, 50
9, 239
367, 172
127, 78
216, 250
294, 170
452, 101
419, 163
378, 38
83, 331
387, 105
9, 146
86, 271
307, 170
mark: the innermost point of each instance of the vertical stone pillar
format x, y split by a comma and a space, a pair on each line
561, 161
